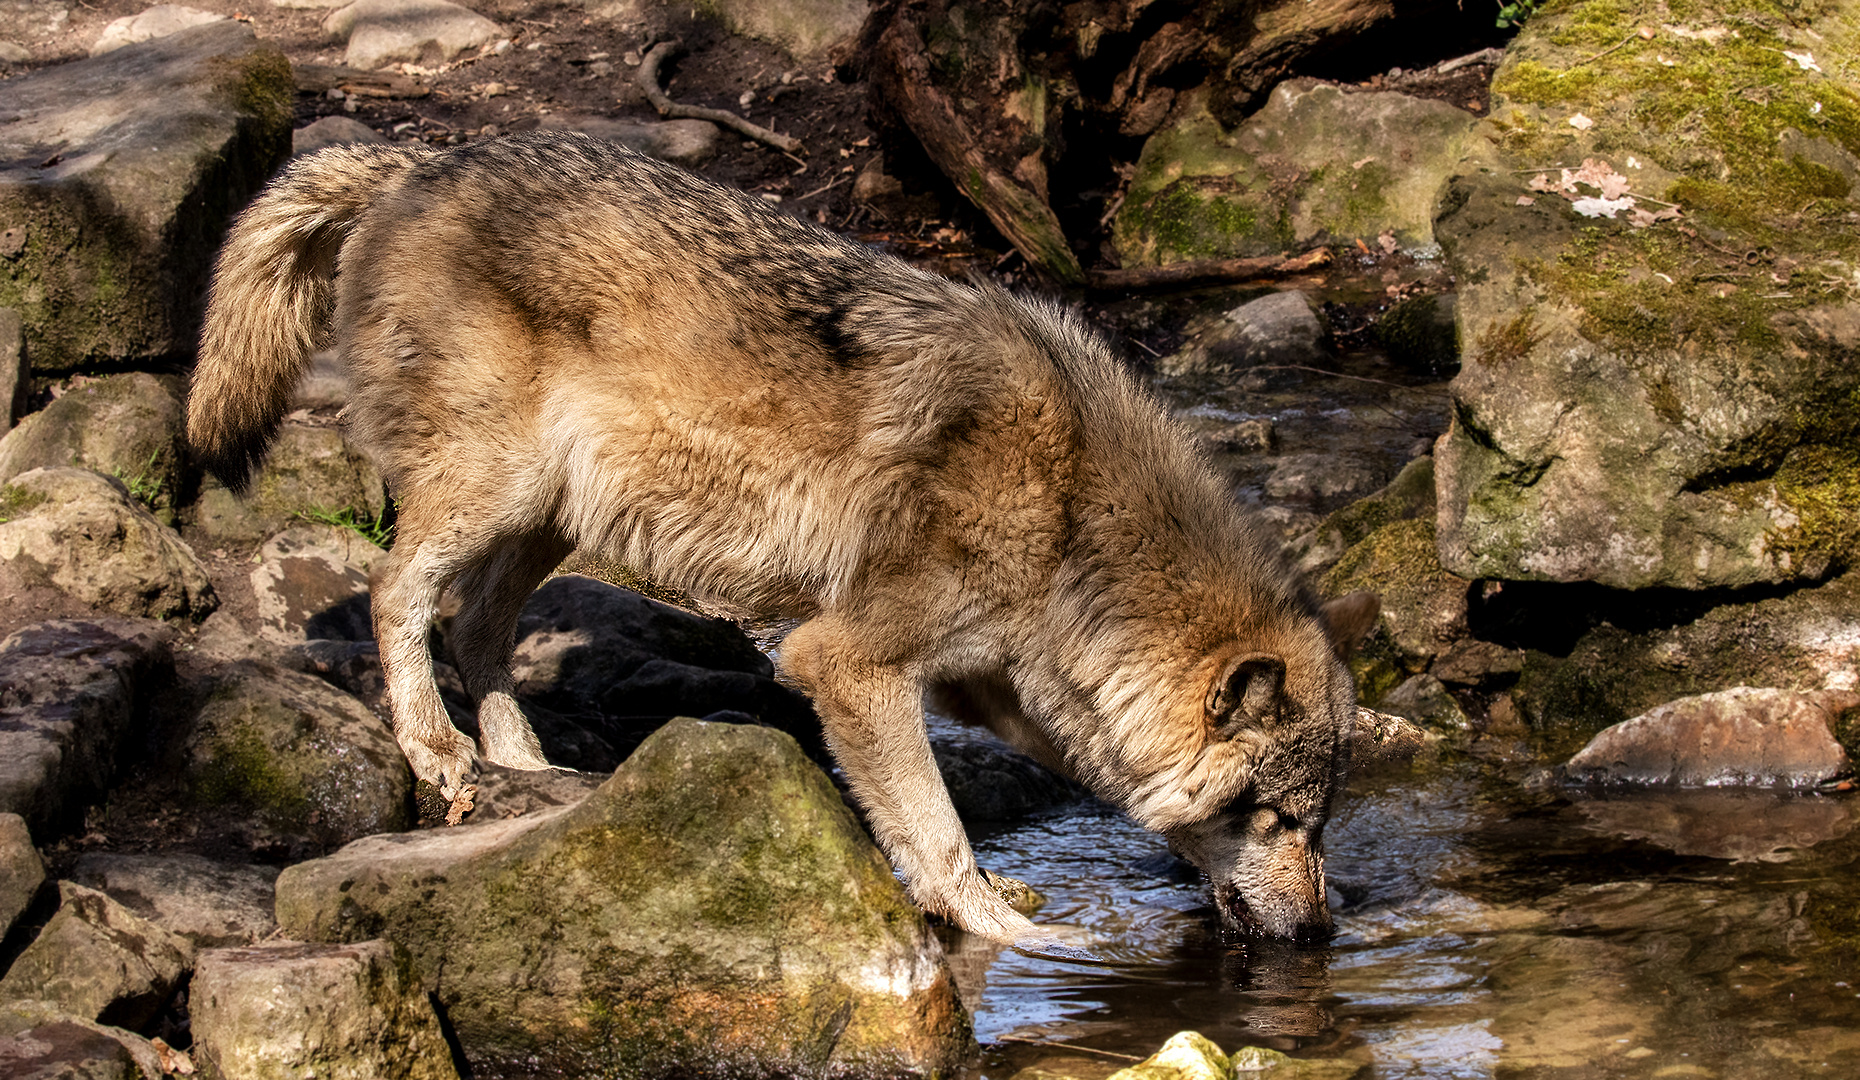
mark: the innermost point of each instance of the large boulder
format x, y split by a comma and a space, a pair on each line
619, 665
1279, 328
806, 28
294, 755
98, 960
120, 174
1746, 736
127, 426
714, 904
83, 534
1424, 608
1316, 164
342, 1012
1649, 399
70, 693
158, 21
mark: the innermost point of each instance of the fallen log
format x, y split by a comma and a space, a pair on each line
322, 78
1185, 275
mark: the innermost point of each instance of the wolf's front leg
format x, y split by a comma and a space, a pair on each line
873, 712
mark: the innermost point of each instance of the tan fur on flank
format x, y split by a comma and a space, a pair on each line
557, 344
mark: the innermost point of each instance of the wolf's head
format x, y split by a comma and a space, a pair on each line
1284, 709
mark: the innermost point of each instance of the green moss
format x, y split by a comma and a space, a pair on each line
1502, 343
243, 770
15, 501
1821, 485
1186, 221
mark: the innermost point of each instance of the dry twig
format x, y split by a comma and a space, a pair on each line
648, 77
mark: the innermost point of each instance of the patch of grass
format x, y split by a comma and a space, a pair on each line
147, 484
378, 531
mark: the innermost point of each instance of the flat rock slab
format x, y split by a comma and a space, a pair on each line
120, 173
211, 904
1742, 736
341, 1012
381, 32
714, 900
69, 692
82, 533
100, 961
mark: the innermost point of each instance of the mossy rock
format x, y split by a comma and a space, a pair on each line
159, 144
1315, 164
714, 907
126, 425
1421, 334
1423, 606
1672, 405
310, 474
1409, 495
301, 758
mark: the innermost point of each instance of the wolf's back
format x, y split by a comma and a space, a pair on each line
271, 294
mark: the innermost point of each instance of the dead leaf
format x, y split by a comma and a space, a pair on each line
1608, 208
1526, 200
1581, 122
172, 1061
1541, 182
1387, 240
1803, 60
1361, 163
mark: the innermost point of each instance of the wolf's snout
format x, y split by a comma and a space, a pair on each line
1281, 917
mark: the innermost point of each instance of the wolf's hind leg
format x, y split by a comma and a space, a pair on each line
873, 713
484, 635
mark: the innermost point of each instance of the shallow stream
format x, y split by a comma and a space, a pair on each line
1484, 929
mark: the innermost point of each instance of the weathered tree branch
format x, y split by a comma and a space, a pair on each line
1206, 272
649, 82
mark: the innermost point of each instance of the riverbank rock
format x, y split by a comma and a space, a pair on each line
620, 665
689, 143
1409, 495
1649, 400
1591, 658
21, 870
83, 534
295, 755
1316, 164
713, 902
312, 583
1737, 824
344, 1012
1742, 736
99, 961
211, 904
806, 28
122, 172
1278, 328
1422, 334
1424, 608
310, 472
429, 32
73, 690
127, 426
15, 371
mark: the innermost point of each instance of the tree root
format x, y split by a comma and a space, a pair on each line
648, 77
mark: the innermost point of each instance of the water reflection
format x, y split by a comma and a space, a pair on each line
1483, 932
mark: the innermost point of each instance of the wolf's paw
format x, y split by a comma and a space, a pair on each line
444, 760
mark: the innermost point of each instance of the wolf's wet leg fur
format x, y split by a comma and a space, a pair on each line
484, 636
873, 715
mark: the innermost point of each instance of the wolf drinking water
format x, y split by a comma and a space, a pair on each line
558, 344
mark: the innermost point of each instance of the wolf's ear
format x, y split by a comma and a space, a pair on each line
1348, 620
1245, 693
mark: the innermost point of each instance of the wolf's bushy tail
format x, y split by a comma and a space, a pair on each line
272, 292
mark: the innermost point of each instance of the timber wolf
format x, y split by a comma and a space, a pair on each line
555, 344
